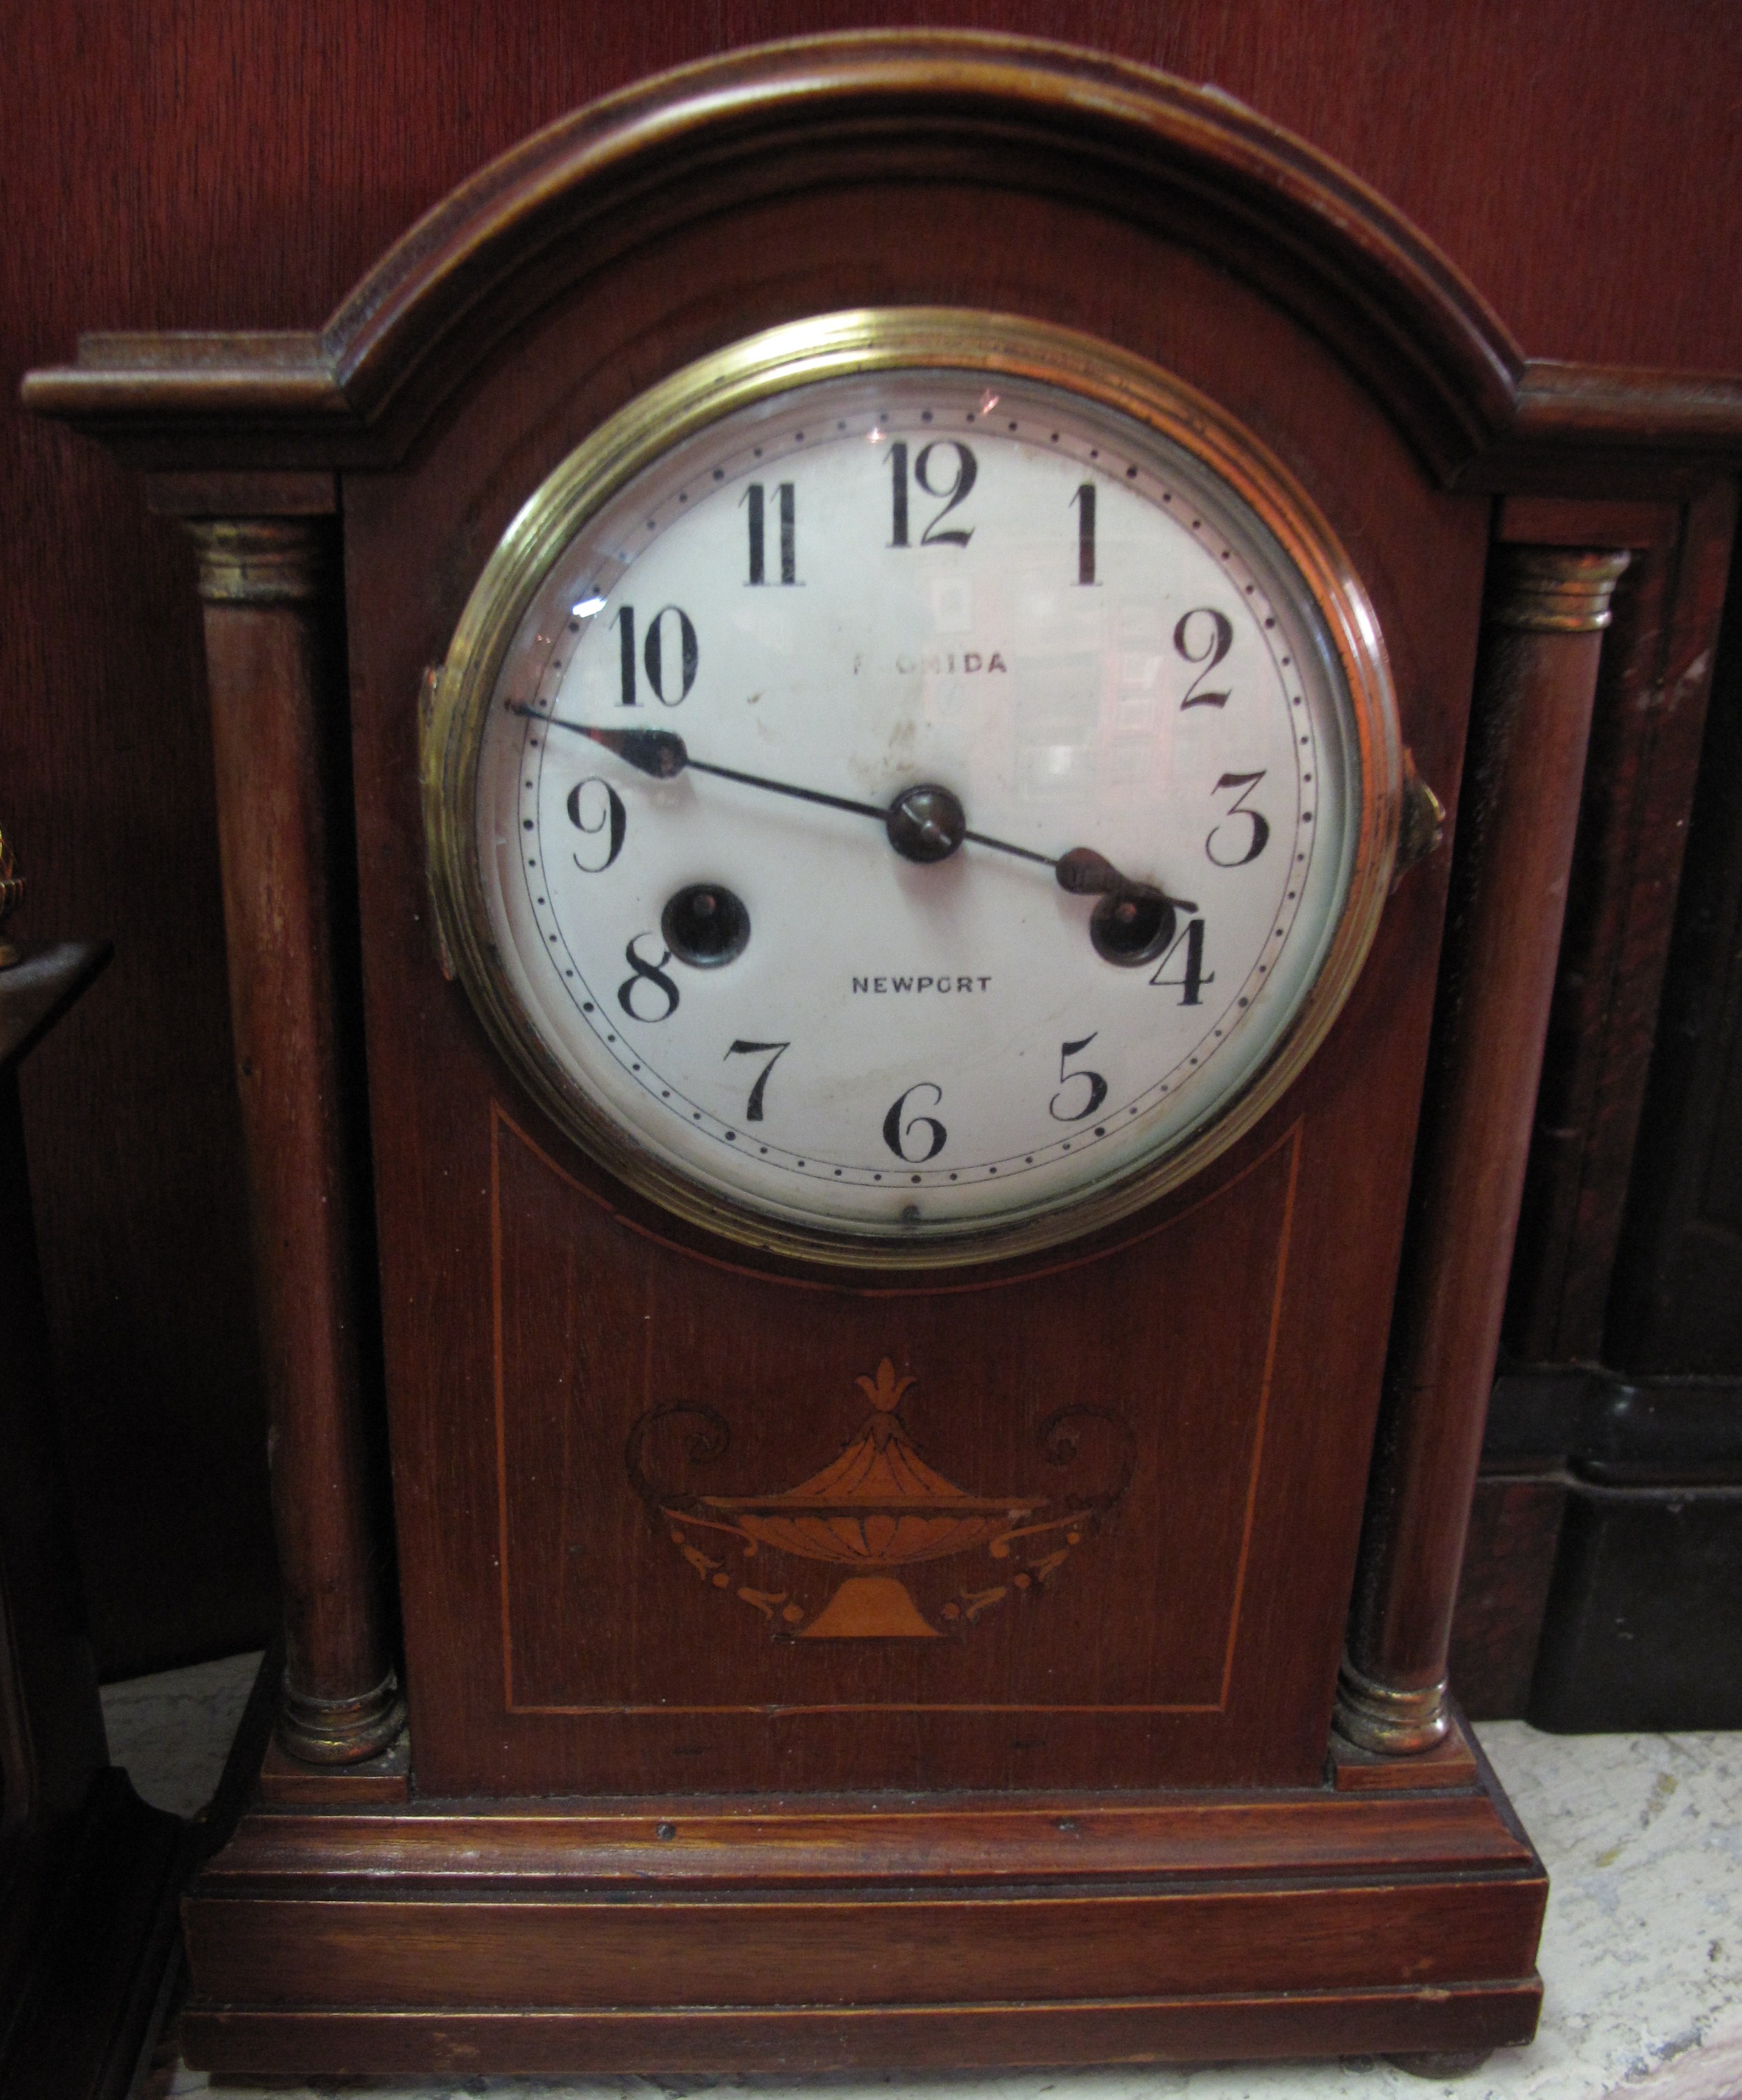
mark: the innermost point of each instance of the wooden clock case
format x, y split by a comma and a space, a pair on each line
634, 1820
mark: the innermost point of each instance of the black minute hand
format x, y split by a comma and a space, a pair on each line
924, 823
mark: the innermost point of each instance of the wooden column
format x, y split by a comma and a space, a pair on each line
263, 581
1535, 683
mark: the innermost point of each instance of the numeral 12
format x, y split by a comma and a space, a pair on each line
955, 492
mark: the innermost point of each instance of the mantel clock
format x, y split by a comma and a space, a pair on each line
842, 945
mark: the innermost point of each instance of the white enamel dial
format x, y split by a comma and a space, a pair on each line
705, 928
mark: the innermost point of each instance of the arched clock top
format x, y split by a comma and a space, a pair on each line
1188, 163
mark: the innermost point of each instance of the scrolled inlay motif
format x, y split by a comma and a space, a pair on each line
878, 1507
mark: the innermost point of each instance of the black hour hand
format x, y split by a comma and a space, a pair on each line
1086, 873
658, 751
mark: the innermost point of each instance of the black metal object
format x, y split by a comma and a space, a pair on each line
705, 924
926, 823
89, 1874
1609, 1514
1132, 926
1643, 1628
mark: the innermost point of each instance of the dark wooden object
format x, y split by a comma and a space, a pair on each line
1549, 1616
1545, 614
1643, 1625
1644, 759
552, 1644
284, 842
1676, 1304
711, 1935
87, 1872
1599, 1589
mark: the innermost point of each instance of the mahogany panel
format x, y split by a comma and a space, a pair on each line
1057, 1652
1420, 554
811, 113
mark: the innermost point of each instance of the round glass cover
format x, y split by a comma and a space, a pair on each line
892, 809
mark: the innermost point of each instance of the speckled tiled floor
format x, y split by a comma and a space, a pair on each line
1642, 1953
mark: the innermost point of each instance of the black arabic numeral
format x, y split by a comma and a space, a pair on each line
755, 506
647, 973
1215, 645
655, 655
956, 493
898, 493
1260, 823
896, 1132
624, 623
612, 819
1097, 1084
1084, 500
788, 534
654, 658
1195, 976
753, 1108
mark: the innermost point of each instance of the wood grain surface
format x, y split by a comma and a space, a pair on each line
747, 1935
806, 2040
1535, 691
180, 167
286, 855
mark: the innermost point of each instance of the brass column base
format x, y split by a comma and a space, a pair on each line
340, 1731
1385, 1719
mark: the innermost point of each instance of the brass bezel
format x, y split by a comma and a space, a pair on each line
799, 353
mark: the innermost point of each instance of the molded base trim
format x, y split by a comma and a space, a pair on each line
810, 2039
805, 1934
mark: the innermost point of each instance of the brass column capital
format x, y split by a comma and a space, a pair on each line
1555, 590
260, 561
